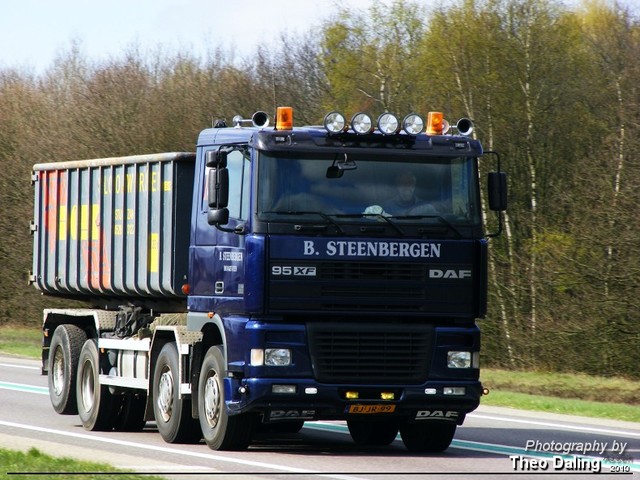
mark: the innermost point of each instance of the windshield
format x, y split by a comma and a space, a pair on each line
344, 187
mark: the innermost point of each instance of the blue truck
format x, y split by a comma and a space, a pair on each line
276, 276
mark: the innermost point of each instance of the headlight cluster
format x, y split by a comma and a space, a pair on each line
456, 359
362, 123
271, 357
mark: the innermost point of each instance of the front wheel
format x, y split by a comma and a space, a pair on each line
220, 431
427, 437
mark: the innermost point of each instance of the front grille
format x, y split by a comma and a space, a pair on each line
353, 286
370, 354
396, 271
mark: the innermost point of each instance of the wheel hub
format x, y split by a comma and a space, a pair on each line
212, 400
87, 388
165, 395
57, 372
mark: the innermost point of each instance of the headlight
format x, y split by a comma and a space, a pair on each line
413, 124
272, 357
459, 359
277, 357
361, 123
388, 124
334, 122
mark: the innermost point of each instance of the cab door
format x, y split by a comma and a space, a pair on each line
217, 276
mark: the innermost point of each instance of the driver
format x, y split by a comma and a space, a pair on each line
405, 198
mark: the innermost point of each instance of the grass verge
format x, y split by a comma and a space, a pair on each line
26, 342
36, 465
565, 406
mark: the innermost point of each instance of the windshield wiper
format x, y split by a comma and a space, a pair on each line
440, 218
373, 215
324, 216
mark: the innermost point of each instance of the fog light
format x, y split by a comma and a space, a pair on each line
459, 359
454, 390
387, 395
283, 389
277, 357
351, 395
361, 123
388, 124
334, 122
413, 124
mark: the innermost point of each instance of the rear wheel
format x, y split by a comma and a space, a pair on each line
172, 413
64, 351
95, 402
428, 437
220, 431
372, 433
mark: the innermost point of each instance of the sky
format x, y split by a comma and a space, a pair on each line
34, 32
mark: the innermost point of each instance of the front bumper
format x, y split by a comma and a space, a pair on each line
310, 400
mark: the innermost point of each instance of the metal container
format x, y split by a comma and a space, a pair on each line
113, 227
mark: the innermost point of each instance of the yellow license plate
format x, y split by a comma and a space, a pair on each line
371, 409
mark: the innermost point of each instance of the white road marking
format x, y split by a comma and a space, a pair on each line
184, 453
626, 433
13, 365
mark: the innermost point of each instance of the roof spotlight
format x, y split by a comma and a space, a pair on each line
361, 123
388, 124
413, 124
334, 122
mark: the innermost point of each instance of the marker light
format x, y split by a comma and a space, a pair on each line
413, 124
361, 123
388, 124
284, 118
434, 123
334, 122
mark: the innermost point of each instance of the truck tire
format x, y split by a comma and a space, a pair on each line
373, 433
220, 430
64, 351
95, 402
428, 437
172, 413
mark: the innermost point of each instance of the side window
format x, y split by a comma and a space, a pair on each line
239, 184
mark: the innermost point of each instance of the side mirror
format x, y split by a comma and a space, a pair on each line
218, 196
216, 158
218, 216
218, 188
497, 190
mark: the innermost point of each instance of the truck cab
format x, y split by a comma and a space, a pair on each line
342, 270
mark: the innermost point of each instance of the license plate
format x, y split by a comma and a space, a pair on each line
371, 409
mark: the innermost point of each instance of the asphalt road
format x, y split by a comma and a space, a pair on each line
493, 443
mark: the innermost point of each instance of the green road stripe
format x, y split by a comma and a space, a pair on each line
19, 387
